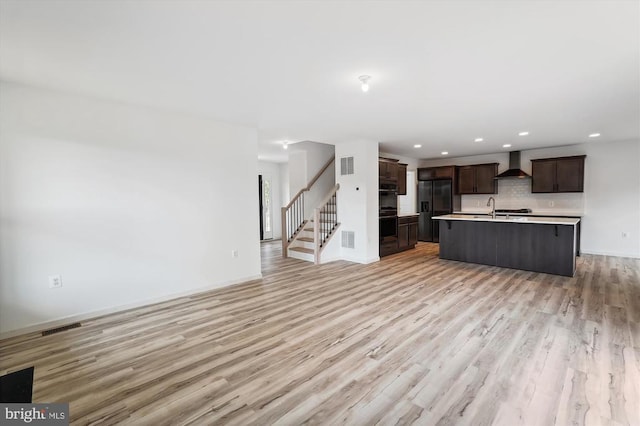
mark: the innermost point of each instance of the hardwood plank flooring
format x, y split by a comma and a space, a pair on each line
411, 339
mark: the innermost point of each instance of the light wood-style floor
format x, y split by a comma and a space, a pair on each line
410, 339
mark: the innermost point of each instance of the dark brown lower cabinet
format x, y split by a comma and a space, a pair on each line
407, 232
407, 236
547, 248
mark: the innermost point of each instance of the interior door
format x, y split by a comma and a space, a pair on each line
267, 208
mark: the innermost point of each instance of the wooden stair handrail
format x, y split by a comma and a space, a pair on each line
311, 182
284, 211
326, 199
317, 176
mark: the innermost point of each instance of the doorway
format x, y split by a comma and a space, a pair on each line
265, 207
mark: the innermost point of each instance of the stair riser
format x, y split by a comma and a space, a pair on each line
305, 244
301, 256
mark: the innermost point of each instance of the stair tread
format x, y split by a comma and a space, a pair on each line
307, 239
302, 249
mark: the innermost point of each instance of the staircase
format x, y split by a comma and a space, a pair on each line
304, 237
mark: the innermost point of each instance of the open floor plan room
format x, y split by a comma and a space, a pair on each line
412, 339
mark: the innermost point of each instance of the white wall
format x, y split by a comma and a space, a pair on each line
297, 171
610, 203
284, 183
128, 204
272, 171
305, 161
358, 200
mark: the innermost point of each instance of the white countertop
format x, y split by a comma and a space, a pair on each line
408, 214
554, 213
512, 219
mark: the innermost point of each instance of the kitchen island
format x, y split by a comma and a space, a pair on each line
540, 244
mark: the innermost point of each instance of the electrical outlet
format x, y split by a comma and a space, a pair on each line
234, 253
55, 281
624, 235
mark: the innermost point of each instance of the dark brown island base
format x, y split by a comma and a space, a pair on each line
539, 244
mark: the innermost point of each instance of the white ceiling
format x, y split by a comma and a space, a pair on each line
443, 73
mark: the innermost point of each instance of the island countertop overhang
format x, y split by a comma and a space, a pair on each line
511, 219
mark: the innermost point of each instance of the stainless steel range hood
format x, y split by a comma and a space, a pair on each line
514, 171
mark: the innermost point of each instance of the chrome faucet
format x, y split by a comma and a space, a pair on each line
493, 209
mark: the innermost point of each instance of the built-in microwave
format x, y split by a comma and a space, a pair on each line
388, 186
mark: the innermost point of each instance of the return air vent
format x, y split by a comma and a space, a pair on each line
61, 329
348, 239
346, 166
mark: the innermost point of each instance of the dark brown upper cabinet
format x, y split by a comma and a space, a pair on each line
564, 174
388, 169
402, 179
430, 173
478, 179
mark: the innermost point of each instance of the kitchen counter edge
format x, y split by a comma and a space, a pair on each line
503, 219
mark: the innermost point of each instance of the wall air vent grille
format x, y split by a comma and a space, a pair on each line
348, 239
346, 166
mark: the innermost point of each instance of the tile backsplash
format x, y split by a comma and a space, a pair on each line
516, 194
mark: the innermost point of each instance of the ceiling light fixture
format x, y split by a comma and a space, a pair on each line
364, 79
285, 144
444, 152
417, 146
506, 145
523, 133
594, 135
478, 140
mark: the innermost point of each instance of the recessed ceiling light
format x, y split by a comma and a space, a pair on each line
523, 133
444, 152
417, 146
506, 145
478, 140
364, 80
594, 135
285, 144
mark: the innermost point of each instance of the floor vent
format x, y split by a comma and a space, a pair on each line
61, 329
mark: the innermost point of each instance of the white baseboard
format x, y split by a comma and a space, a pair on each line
361, 260
613, 254
114, 309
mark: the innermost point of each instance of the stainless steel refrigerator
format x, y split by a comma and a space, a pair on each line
435, 197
